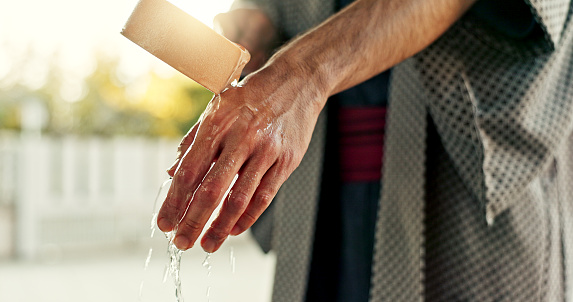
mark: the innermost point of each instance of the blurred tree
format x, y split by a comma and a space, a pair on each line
9, 115
103, 104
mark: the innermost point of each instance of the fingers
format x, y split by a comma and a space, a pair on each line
261, 200
235, 203
206, 197
192, 167
182, 148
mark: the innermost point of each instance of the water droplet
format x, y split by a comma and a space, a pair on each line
148, 258
140, 291
206, 261
174, 265
207, 264
232, 259
152, 226
153, 223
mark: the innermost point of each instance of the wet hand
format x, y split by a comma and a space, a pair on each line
258, 132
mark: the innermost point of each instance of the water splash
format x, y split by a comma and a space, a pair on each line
206, 264
232, 259
153, 222
165, 184
148, 258
140, 291
174, 265
155, 212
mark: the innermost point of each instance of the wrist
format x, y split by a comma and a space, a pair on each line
305, 71
289, 84
304, 81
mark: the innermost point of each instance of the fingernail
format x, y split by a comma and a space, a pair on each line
164, 224
181, 242
235, 231
209, 246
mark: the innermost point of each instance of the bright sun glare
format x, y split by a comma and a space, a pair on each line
68, 33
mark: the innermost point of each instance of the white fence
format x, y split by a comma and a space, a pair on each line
71, 192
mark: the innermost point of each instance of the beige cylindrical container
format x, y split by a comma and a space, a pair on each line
186, 44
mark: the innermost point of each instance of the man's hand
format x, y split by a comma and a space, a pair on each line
261, 131
250, 131
251, 28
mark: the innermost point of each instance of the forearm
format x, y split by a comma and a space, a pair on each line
366, 38
261, 129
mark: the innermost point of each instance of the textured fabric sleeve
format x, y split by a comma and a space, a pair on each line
501, 105
549, 17
510, 17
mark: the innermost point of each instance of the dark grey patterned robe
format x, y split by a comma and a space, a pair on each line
485, 213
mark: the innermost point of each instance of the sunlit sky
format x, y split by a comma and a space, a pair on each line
69, 32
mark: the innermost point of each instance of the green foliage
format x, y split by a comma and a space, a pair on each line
149, 105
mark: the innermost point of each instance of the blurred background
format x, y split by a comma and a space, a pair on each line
89, 122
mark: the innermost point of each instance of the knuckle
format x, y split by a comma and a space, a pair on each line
190, 226
271, 146
169, 210
186, 175
237, 201
217, 234
247, 111
213, 122
210, 191
290, 160
252, 176
287, 157
264, 198
247, 220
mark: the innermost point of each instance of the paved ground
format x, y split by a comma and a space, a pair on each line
110, 276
